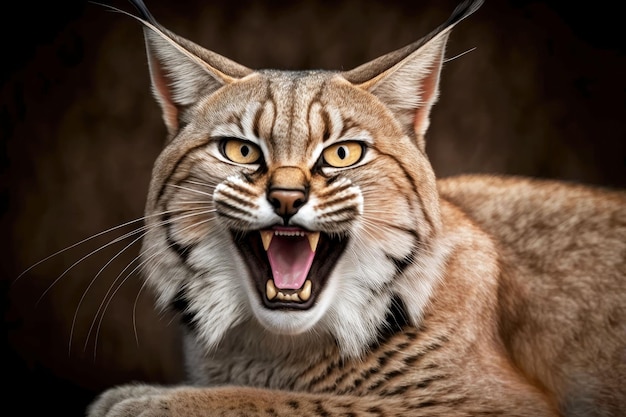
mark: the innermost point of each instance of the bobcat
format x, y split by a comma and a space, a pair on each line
320, 269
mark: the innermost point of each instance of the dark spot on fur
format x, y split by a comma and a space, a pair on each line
375, 410
320, 410
395, 391
180, 303
395, 320
425, 404
394, 374
413, 359
402, 263
426, 382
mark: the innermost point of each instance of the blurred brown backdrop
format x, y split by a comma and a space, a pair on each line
542, 95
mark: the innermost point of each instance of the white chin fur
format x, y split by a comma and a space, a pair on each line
285, 322
290, 323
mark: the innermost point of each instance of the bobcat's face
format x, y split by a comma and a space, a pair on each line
279, 203
302, 202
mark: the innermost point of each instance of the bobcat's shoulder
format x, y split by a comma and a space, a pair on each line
562, 254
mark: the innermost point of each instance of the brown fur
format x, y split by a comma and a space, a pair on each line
503, 296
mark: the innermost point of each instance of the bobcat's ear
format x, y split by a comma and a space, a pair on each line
182, 72
407, 80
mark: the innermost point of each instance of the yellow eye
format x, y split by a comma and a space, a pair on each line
343, 154
241, 151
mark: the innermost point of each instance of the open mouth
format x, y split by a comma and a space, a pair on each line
289, 265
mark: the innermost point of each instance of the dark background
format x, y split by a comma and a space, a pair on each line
542, 95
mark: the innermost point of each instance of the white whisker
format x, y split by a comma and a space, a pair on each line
85, 240
190, 189
135, 312
203, 184
459, 55
89, 286
107, 299
114, 241
77, 244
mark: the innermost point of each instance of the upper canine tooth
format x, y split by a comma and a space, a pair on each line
266, 237
314, 238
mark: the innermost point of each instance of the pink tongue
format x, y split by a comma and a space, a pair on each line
290, 259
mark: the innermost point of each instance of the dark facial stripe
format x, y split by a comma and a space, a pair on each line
292, 112
272, 100
232, 208
236, 198
323, 115
175, 168
328, 125
347, 125
335, 201
414, 189
349, 211
256, 121
326, 193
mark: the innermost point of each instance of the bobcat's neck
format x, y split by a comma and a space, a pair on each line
250, 356
458, 275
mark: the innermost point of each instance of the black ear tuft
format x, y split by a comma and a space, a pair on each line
143, 11
461, 11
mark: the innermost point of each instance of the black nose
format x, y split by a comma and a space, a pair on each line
286, 203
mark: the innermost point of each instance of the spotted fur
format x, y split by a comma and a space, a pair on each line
467, 296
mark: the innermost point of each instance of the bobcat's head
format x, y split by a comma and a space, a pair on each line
301, 200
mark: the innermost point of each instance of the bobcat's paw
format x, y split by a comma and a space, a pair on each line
130, 400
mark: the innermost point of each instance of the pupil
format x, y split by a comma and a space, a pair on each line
245, 150
341, 152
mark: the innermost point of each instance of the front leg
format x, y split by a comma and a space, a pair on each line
153, 401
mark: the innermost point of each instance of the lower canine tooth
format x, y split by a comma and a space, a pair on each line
305, 292
270, 289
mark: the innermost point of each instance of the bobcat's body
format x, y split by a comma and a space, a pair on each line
468, 296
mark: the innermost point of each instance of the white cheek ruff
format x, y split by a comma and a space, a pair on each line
226, 282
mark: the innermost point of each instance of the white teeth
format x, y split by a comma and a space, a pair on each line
288, 297
289, 233
266, 237
314, 238
301, 296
